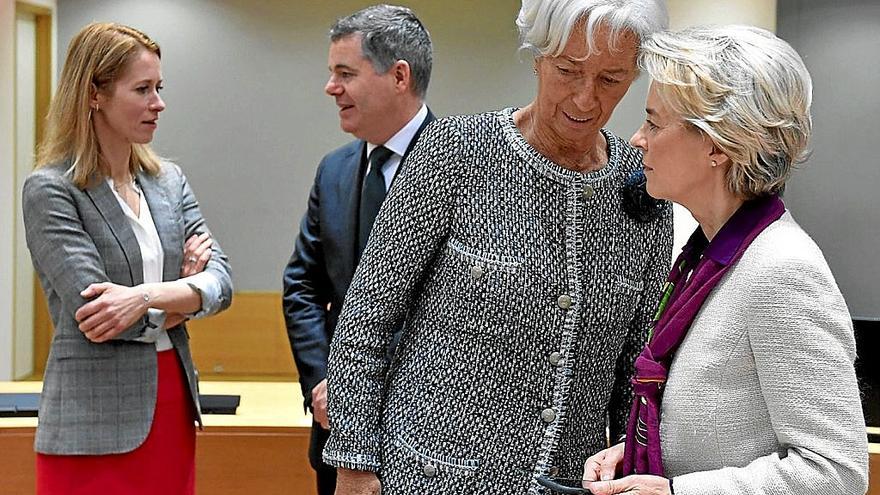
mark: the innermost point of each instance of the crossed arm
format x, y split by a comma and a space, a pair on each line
71, 264
113, 308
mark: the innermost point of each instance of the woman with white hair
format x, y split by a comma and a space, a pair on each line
747, 383
513, 245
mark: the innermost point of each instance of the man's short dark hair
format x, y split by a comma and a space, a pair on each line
390, 33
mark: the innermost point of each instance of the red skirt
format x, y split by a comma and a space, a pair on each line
164, 464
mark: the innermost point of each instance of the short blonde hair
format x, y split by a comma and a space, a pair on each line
97, 56
746, 89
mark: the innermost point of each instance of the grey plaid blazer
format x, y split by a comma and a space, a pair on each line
99, 398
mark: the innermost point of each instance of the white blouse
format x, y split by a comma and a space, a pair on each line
152, 256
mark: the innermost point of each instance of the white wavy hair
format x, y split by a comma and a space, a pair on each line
545, 25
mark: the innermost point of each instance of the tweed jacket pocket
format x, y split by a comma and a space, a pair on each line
627, 282
428, 468
624, 292
487, 284
481, 260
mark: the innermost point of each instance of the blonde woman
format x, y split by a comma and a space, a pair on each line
747, 383
124, 258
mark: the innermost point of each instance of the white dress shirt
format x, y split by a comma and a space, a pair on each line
153, 258
398, 145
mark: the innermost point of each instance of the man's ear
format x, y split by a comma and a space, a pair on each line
402, 76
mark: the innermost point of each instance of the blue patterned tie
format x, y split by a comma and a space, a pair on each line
372, 195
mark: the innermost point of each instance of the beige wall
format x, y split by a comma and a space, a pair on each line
246, 114
247, 117
761, 13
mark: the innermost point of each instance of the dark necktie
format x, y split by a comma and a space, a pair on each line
372, 195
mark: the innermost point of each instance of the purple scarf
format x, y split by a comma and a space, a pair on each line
690, 282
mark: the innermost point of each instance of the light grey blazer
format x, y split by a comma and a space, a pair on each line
762, 396
99, 398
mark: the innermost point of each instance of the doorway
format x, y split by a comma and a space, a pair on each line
33, 86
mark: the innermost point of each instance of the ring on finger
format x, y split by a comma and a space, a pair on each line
191, 259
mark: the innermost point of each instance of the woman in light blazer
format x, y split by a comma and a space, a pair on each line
747, 384
124, 258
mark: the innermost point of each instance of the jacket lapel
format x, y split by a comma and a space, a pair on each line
350, 188
167, 225
108, 206
428, 119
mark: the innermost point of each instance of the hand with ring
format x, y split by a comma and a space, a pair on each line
196, 254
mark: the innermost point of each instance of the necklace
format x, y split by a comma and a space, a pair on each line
120, 185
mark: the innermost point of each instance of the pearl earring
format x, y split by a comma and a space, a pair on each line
714, 164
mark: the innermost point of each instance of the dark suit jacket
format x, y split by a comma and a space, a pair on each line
323, 262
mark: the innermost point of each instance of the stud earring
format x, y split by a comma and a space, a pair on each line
714, 164
535, 70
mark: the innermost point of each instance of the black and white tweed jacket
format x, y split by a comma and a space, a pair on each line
526, 292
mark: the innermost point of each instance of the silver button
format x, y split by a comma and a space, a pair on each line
548, 415
588, 192
477, 272
429, 470
564, 301
555, 358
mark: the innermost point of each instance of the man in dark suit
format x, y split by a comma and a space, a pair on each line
380, 65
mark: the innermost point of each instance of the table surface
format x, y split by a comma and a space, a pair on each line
874, 448
263, 404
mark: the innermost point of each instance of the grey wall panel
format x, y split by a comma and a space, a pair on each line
834, 196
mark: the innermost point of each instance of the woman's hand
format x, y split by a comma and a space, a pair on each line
113, 309
641, 484
196, 254
603, 465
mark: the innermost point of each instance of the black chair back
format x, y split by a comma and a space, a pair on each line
868, 366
